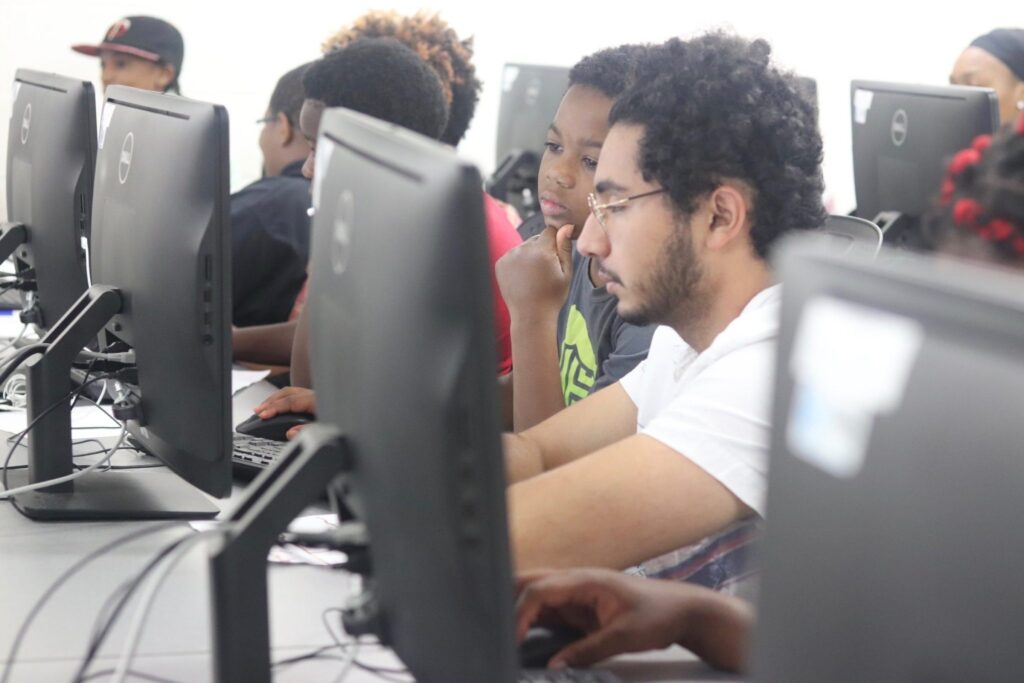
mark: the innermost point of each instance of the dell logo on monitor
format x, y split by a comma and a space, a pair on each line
26, 123
341, 244
125, 163
899, 127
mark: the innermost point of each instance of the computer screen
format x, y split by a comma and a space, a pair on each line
903, 138
161, 284
403, 363
51, 154
896, 469
530, 96
160, 235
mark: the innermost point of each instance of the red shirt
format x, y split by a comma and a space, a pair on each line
501, 236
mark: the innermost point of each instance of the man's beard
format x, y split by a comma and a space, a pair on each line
674, 291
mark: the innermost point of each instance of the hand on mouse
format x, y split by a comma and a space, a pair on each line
287, 400
621, 613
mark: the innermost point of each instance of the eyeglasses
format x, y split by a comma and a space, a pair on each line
600, 211
271, 119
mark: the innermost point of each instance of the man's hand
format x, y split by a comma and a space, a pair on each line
535, 275
621, 613
288, 400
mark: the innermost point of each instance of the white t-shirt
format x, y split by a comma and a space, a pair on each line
715, 407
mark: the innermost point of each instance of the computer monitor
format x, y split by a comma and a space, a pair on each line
530, 97
51, 155
903, 138
894, 492
403, 360
160, 266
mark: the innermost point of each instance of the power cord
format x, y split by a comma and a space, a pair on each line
64, 578
137, 674
21, 435
7, 493
126, 590
13, 342
145, 605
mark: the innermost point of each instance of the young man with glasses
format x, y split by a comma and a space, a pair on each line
711, 156
269, 221
567, 339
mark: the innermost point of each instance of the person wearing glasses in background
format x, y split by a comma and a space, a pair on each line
269, 218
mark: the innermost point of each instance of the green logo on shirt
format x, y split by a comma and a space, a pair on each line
576, 359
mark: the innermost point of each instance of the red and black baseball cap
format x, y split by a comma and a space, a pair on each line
144, 37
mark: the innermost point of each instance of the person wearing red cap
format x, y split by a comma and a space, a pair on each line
141, 52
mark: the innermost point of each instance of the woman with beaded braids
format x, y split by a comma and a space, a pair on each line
981, 212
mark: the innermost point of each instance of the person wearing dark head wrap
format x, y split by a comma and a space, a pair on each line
995, 60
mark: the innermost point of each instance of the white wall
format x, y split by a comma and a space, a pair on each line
235, 51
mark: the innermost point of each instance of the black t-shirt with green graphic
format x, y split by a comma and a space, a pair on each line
595, 346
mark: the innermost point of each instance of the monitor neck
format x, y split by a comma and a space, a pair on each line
49, 444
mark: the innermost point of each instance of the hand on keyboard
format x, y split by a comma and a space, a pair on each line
621, 613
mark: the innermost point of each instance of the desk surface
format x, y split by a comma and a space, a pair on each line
176, 642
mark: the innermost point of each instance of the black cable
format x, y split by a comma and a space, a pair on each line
315, 654
126, 593
63, 578
102, 410
23, 354
377, 671
131, 672
85, 381
21, 435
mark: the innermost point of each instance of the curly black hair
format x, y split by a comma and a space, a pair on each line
382, 78
429, 36
288, 95
713, 108
609, 71
981, 209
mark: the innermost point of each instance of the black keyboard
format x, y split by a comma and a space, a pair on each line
252, 454
568, 676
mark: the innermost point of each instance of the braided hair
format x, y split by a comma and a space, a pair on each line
982, 198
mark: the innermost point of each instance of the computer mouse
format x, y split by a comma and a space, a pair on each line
543, 642
274, 428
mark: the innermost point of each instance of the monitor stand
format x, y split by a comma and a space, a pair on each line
238, 567
99, 495
900, 230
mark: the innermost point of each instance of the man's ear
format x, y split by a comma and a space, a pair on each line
286, 132
166, 76
729, 207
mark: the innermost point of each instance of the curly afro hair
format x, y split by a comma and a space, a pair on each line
714, 108
981, 209
382, 78
438, 45
609, 71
